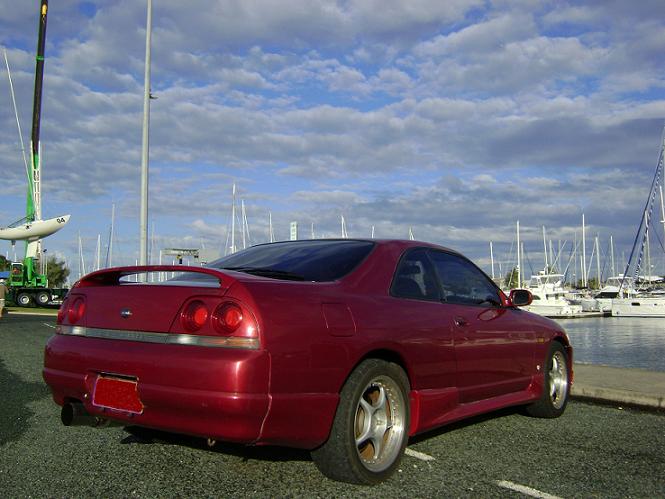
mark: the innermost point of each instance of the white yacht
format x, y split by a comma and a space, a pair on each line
602, 301
549, 296
639, 306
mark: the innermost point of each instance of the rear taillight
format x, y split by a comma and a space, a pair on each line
227, 318
62, 311
75, 310
194, 316
208, 317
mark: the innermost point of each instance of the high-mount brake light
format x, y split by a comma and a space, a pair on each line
227, 317
76, 310
194, 316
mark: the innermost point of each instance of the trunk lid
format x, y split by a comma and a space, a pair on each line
111, 302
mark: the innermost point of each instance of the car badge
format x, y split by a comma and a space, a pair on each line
125, 313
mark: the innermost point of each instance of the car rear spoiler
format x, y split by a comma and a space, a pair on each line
112, 276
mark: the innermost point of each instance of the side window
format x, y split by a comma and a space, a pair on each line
415, 277
462, 282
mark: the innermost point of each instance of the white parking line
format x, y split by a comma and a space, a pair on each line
48, 325
418, 455
523, 489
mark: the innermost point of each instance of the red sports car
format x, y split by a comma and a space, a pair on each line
343, 347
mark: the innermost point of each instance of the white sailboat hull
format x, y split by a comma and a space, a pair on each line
639, 307
33, 231
555, 310
597, 304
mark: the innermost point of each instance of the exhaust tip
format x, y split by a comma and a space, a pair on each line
74, 414
67, 414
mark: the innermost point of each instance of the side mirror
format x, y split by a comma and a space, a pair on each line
521, 297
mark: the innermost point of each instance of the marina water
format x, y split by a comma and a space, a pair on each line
618, 341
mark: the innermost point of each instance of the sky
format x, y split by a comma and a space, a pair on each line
451, 119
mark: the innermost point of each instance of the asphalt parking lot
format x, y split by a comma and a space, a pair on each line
592, 451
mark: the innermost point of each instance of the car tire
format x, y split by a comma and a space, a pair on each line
23, 299
556, 389
42, 298
371, 426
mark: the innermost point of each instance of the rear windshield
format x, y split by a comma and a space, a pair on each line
316, 260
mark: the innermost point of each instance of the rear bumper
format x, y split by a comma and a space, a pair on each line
223, 416
219, 393
211, 392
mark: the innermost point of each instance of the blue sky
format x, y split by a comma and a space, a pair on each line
453, 118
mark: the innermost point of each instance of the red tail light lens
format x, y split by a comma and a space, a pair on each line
194, 316
227, 323
227, 318
76, 310
62, 311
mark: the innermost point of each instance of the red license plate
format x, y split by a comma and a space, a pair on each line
117, 393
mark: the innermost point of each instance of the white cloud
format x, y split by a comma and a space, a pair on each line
479, 39
448, 117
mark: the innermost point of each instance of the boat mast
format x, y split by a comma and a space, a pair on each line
547, 270
81, 260
576, 255
584, 279
612, 255
647, 246
270, 230
662, 208
233, 220
519, 259
243, 223
598, 261
492, 258
109, 254
98, 258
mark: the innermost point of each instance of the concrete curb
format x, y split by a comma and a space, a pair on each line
33, 314
633, 387
617, 396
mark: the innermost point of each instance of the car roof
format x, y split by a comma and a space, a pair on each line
402, 243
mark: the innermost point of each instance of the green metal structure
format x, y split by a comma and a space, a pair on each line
28, 281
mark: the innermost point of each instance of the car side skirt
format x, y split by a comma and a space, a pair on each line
434, 408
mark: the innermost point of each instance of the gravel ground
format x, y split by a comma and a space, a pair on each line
591, 451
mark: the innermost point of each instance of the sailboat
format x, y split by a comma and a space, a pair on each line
644, 304
32, 230
603, 299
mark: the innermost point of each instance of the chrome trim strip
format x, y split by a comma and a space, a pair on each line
160, 338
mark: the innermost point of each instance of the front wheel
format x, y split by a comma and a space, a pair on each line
553, 401
371, 426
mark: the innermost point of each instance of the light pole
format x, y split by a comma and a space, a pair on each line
143, 237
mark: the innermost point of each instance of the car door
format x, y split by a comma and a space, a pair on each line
418, 313
493, 344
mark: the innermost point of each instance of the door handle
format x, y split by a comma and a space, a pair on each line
461, 322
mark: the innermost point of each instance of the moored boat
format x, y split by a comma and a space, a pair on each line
549, 296
639, 306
